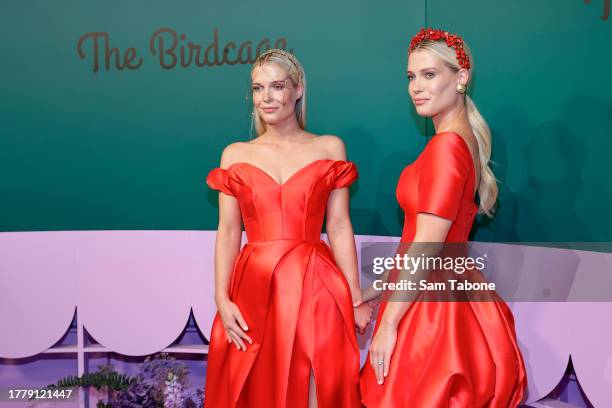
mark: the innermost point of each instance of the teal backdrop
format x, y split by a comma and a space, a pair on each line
129, 149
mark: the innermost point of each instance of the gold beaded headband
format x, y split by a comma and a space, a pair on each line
263, 57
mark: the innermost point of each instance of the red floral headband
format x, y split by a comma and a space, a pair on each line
452, 40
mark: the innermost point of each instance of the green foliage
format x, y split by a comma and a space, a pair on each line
162, 380
99, 380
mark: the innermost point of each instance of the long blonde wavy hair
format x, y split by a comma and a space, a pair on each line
487, 189
295, 72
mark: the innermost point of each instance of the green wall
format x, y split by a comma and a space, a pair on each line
129, 149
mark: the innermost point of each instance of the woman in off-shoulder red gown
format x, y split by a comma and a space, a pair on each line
295, 299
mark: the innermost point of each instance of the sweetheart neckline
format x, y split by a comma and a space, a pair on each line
290, 177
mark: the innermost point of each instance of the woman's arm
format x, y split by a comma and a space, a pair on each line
429, 229
227, 244
227, 247
229, 235
342, 240
338, 224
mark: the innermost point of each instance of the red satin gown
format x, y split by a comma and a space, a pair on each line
447, 354
295, 300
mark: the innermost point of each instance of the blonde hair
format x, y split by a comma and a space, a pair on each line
487, 189
295, 72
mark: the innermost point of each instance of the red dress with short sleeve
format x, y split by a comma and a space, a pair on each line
296, 302
447, 354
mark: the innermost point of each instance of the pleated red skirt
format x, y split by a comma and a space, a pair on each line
298, 307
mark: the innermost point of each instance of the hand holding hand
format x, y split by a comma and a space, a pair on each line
363, 316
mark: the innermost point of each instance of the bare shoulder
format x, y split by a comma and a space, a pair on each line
333, 146
234, 153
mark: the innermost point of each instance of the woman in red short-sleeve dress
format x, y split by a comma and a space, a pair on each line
444, 354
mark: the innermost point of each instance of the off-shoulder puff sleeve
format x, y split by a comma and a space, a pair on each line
443, 176
345, 173
218, 179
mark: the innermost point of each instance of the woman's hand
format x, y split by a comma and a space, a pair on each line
363, 316
234, 324
381, 350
